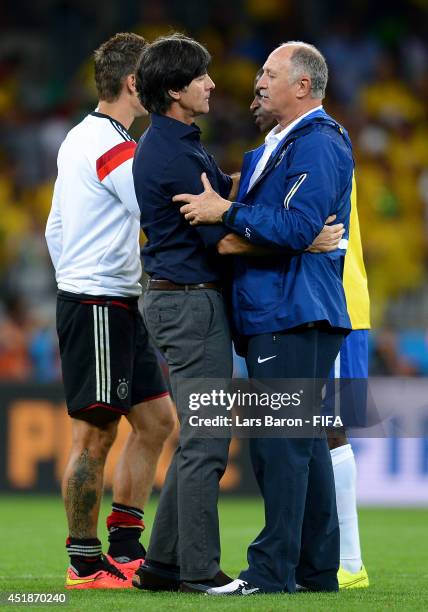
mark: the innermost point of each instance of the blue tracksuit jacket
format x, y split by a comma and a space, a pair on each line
307, 178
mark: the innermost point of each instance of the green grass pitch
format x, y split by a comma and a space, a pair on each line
395, 546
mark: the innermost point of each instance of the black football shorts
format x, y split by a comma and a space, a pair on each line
108, 361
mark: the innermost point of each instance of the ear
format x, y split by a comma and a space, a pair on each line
130, 83
304, 85
175, 95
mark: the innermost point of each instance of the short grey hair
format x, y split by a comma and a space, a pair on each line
307, 59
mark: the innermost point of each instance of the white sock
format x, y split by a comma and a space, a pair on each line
345, 475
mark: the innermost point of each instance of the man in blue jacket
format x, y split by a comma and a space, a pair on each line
291, 309
351, 362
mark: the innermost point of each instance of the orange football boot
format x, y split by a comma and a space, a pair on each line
109, 577
128, 568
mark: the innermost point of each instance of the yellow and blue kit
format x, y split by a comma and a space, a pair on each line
352, 361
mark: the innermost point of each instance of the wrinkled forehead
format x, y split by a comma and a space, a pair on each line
279, 58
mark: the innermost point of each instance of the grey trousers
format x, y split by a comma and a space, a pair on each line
191, 330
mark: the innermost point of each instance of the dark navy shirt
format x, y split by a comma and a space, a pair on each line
169, 160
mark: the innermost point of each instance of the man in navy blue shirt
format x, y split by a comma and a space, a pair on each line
183, 306
170, 156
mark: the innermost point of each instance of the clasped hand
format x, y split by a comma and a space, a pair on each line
208, 207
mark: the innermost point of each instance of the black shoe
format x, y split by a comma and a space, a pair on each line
236, 587
219, 580
154, 576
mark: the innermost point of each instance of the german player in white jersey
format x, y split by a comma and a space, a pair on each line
109, 366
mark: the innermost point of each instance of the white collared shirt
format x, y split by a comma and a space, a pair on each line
271, 142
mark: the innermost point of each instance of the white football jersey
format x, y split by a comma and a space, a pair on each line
94, 223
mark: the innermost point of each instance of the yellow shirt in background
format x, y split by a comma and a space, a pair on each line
354, 273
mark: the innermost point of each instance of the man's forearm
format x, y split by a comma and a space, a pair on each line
266, 229
232, 244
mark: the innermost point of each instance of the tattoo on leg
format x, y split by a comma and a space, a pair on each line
82, 495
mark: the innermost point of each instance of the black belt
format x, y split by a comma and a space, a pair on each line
157, 284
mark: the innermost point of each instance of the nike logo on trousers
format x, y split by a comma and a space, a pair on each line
260, 360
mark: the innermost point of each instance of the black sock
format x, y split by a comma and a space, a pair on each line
125, 544
132, 511
125, 526
85, 555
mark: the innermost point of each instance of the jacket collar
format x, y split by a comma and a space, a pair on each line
320, 116
249, 164
276, 134
177, 129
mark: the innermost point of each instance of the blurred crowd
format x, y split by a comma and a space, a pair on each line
378, 89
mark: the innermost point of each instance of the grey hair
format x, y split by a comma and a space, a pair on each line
307, 59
